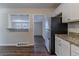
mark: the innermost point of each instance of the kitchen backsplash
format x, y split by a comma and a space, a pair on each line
73, 34
74, 25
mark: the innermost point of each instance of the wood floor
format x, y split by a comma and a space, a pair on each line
38, 49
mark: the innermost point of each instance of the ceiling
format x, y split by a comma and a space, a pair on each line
29, 5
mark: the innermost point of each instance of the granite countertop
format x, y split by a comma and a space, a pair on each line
72, 40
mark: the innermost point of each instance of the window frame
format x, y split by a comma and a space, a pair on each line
10, 23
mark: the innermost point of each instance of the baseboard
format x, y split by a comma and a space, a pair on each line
25, 45
15, 45
7, 44
38, 35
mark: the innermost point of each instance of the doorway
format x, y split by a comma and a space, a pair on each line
38, 25
39, 43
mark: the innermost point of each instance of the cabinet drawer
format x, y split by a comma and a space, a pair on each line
74, 50
74, 47
74, 53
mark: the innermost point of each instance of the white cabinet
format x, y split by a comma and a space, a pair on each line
70, 12
58, 46
74, 50
65, 48
66, 13
62, 47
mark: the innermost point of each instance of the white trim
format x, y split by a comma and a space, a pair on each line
7, 44
15, 45
18, 14
42, 21
33, 26
25, 45
33, 20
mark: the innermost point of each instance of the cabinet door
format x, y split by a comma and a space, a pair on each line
62, 47
66, 13
74, 11
57, 46
70, 12
74, 53
74, 50
65, 48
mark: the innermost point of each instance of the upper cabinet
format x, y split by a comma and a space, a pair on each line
66, 13
70, 12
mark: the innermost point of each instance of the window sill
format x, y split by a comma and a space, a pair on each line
18, 30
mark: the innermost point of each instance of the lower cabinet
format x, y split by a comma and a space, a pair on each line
57, 46
74, 50
65, 48
62, 47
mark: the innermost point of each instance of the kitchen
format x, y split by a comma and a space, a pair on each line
56, 40
68, 44
57, 25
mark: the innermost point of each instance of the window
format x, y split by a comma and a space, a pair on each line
19, 21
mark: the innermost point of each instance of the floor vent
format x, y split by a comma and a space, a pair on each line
21, 44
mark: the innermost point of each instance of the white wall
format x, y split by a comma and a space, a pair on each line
12, 38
